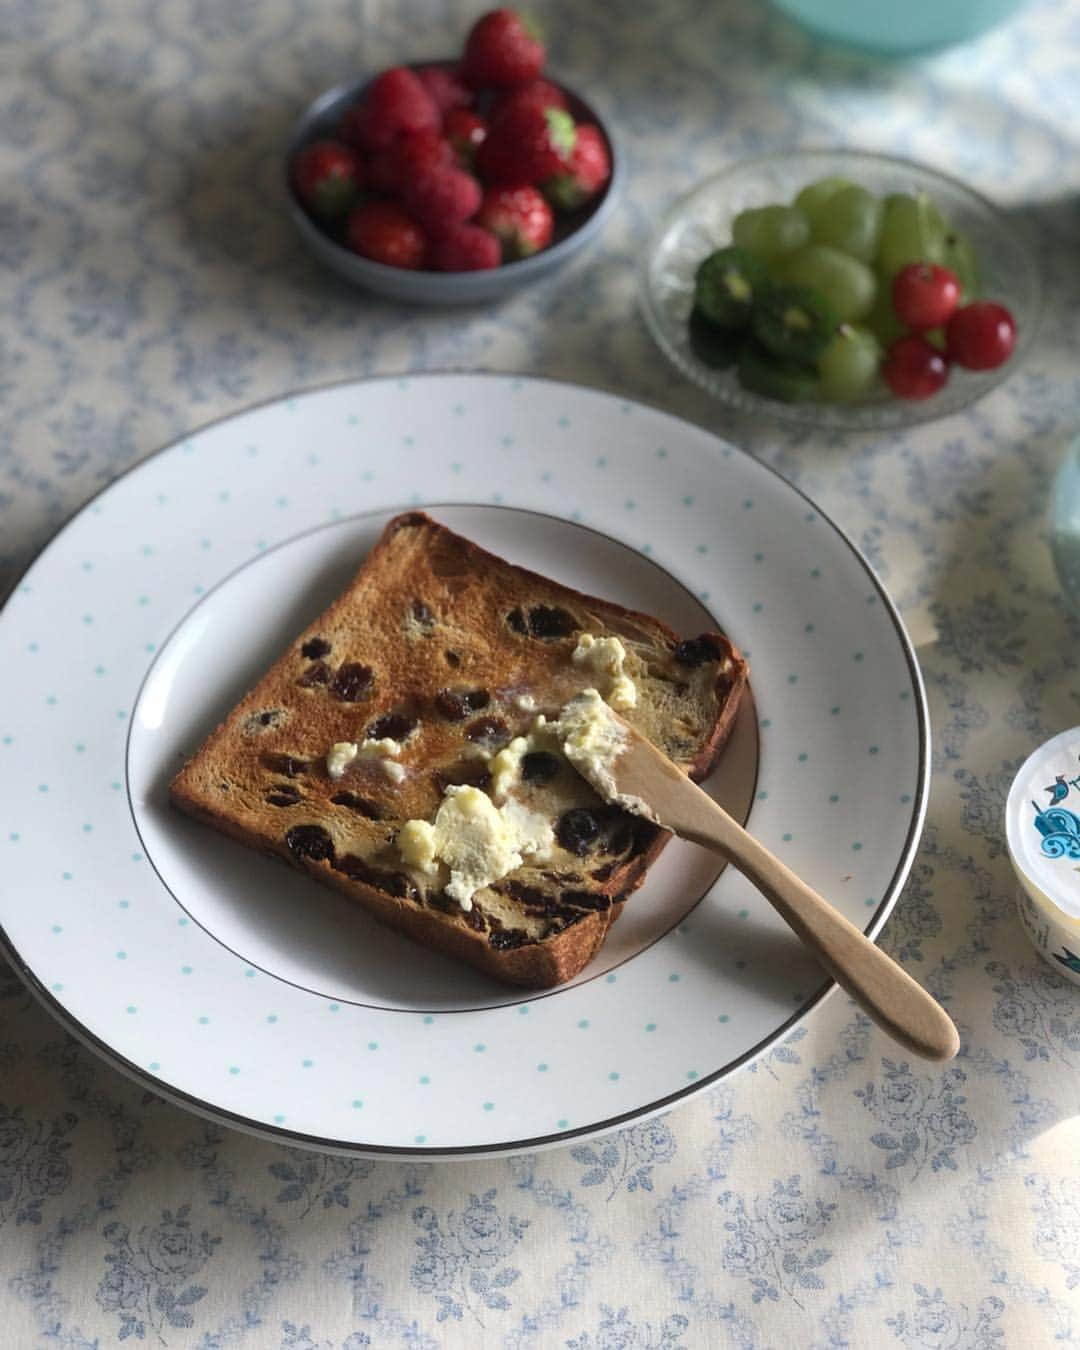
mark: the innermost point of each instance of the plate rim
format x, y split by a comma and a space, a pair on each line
281, 1134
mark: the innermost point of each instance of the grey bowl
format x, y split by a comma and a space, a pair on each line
574, 230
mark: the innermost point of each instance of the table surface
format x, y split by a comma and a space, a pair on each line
833, 1194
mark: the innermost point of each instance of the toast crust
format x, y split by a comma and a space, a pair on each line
407, 611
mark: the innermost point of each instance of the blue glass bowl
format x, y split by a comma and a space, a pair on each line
1065, 523
896, 29
574, 230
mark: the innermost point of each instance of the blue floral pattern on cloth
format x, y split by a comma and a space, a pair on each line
460, 1262
150, 1276
831, 1196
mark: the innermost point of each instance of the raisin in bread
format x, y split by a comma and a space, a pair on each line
450, 652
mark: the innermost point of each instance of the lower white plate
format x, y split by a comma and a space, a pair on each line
245, 991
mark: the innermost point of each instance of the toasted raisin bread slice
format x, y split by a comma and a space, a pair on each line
451, 652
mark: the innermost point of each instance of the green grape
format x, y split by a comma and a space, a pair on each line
847, 284
849, 364
882, 319
936, 223
850, 220
771, 232
816, 195
913, 230
793, 321
724, 286
960, 259
934, 218
775, 376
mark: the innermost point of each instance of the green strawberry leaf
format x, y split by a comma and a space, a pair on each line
531, 26
561, 129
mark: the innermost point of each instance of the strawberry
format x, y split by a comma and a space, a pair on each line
445, 88
385, 233
441, 198
395, 102
589, 169
466, 132
409, 157
502, 50
465, 248
542, 93
519, 217
328, 177
527, 145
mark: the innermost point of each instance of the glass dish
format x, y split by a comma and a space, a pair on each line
700, 222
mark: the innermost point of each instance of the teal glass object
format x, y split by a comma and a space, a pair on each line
897, 29
1065, 524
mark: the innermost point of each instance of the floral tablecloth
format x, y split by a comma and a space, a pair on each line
833, 1194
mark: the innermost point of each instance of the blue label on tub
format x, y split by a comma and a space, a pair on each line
1069, 960
1060, 830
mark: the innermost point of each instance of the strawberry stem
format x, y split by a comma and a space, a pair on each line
561, 129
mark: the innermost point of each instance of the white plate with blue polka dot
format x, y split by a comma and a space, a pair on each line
246, 992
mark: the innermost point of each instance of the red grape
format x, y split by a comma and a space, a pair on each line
913, 368
924, 295
981, 335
